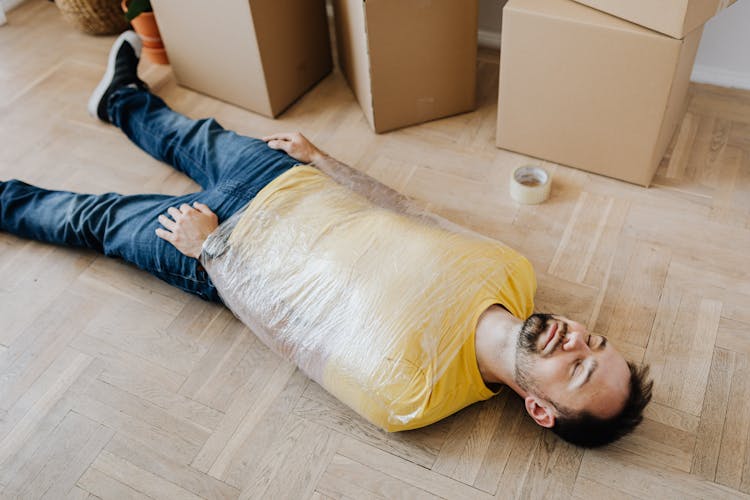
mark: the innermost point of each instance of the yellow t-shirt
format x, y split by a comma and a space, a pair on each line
378, 307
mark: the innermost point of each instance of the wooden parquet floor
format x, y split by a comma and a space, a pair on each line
114, 385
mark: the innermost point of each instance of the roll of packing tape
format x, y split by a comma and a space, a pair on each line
530, 185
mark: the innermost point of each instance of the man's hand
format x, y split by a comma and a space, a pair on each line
295, 145
188, 228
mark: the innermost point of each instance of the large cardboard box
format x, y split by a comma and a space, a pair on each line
408, 62
586, 89
675, 18
261, 55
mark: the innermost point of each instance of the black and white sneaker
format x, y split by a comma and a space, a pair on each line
122, 71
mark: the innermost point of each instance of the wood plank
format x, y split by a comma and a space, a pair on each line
139, 479
468, 443
56, 466
24, 428
634, 307
713, 415
735, 444
406, 471
304, 446
105, 487
164, 467
627, 474
420, 446
345, 478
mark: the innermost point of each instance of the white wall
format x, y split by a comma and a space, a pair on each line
9, 4
723, 55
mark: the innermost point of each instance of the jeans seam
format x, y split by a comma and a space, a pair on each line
145, 127
183, 155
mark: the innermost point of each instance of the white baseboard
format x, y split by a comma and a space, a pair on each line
488, 39
721, 77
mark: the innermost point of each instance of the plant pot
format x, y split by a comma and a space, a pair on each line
148, 31
155, 54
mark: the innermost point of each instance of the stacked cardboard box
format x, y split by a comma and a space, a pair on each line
584, 88
408, 62
675, 18
258, 54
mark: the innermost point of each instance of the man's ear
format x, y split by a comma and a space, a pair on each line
540, 411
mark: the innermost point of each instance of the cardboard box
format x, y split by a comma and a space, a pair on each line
261, 55
408, 62
588, 90
675, 18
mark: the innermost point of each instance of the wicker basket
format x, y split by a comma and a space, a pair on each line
95, 17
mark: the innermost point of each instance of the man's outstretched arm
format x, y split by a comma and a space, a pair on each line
300, 148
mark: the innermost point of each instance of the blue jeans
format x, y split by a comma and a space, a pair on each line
230, 169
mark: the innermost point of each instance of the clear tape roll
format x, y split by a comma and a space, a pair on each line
530, 184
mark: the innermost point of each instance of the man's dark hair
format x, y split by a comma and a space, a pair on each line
586, 430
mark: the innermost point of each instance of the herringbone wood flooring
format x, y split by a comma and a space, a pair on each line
114, 385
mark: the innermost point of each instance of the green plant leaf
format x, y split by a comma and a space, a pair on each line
136, 8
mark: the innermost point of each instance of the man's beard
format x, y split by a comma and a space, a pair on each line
527, 350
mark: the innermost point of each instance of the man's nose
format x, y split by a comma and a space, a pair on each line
575, 339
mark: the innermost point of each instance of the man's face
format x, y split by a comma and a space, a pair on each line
560, 362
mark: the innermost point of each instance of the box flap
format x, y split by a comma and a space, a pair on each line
675, 18
575, 12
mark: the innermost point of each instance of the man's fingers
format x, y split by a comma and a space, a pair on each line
185, 208
280, 144
174, 212
281, 136
164, 234
202, 208
167, 222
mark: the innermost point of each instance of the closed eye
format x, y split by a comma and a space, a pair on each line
576, 369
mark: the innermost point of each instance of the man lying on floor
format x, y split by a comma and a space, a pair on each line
400, 314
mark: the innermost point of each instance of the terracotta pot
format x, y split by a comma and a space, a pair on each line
155, 55
148, 31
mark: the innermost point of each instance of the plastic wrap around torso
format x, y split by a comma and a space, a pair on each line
380, 308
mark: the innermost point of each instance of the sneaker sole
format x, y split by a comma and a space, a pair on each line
132, 38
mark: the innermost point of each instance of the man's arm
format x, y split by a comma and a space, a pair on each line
300, 148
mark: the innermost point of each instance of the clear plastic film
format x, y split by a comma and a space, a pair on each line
372, 298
